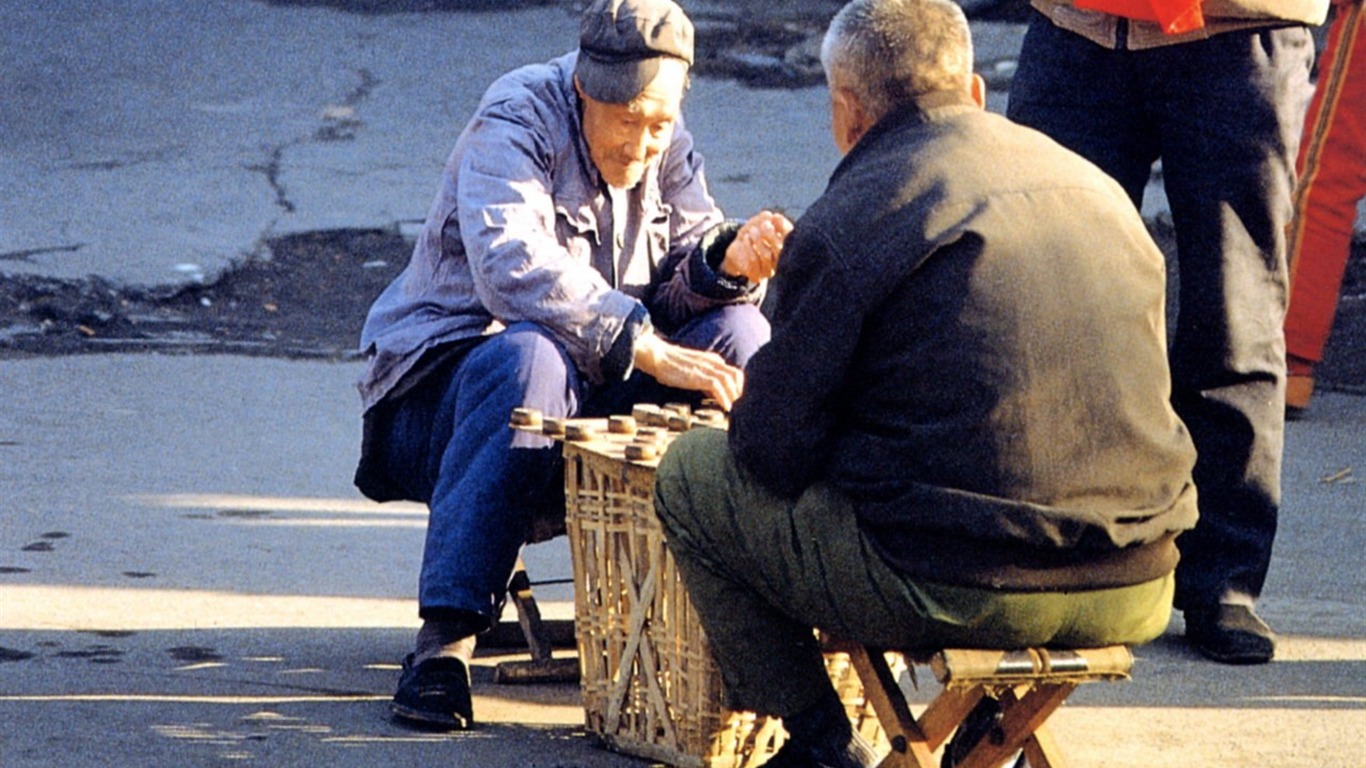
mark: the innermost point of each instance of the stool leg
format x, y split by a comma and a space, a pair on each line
1041, 751
529, 614
542, 668
947, 711
909, 746
1020, 718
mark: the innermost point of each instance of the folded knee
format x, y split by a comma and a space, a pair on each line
690, 463
527, 358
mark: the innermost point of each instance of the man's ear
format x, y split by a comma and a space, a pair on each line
849, 119
979, 90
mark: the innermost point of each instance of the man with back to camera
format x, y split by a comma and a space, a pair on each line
960, 432
573, 261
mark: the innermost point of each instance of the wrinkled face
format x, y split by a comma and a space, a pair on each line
623, 139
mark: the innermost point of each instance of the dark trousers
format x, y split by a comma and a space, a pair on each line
447, 443
1223, 115
762, 570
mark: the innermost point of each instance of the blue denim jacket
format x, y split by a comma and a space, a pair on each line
524, 229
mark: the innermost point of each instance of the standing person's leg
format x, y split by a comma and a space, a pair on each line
1332, 168
1232, 111
1088, 99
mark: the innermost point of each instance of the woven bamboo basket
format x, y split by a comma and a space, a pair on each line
650, 687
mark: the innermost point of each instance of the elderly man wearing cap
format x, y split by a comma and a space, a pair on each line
573, 261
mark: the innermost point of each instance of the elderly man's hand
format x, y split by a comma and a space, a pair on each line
754, 252
690, 369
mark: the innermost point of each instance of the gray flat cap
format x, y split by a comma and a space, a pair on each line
622, 41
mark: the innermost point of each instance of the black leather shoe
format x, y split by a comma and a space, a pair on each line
1230, 633
434, 694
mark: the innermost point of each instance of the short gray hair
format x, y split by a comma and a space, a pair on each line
890, 53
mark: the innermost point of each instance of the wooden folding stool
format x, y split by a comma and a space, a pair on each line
540, 637
1029, 684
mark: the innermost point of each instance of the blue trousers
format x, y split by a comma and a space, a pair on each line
447, 443
1223, 115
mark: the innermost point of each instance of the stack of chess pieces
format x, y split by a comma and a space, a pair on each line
642, 436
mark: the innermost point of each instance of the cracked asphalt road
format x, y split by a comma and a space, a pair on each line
298, 295
305, 295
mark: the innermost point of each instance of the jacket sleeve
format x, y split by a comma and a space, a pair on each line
521, 269
783, 425
698, 237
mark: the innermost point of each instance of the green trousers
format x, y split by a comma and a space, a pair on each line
762, 571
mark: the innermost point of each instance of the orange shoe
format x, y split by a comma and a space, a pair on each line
1299, 389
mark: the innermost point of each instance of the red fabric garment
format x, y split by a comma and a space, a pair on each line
1332, 179
1174, 16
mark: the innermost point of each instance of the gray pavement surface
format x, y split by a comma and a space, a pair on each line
153, 143
187, 576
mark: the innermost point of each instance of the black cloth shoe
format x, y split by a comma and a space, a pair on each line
434, 694
1230, 633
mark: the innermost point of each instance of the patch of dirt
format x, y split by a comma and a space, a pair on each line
306, 298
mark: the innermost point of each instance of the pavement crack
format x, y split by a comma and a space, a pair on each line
28, 254
271, 169
362, 91
339, 124
12, 654
315, 690
130, 160
339, 120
